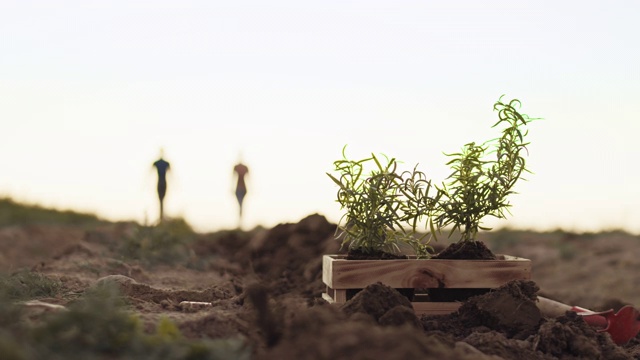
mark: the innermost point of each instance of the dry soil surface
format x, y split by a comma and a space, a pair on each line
265, 286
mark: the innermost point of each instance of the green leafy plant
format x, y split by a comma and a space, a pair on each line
480, 187
384, 207
381, 213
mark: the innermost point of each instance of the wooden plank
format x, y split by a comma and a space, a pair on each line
339, 273
435, 308
328, 298
327, 269
413, 257
340, 295
420, 308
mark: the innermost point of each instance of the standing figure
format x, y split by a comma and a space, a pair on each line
241, 187
162, 166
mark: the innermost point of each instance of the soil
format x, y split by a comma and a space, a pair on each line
357, 254
466, 250
264, 286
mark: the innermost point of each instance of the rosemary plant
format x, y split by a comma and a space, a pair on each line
384, 207
479, 187
380, 211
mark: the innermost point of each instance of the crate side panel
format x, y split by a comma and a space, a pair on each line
435, 308
327, 269
428, 273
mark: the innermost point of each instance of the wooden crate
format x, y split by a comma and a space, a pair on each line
340, 275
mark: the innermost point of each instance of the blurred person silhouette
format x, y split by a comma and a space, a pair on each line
241, 187
162, 166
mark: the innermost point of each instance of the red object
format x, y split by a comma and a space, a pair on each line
622, 326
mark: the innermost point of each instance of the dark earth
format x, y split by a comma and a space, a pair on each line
263, 287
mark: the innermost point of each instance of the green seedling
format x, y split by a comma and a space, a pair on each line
380, 211
480, 186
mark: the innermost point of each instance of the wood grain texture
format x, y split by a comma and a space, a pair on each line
435, 308
339, 273
420, 308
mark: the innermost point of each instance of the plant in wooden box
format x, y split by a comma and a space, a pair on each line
381, 214
380, 207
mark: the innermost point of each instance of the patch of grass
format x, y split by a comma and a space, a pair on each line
95, 324
26, 284
98, 326
13, 213
167, 243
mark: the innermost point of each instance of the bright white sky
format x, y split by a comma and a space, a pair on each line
91, 90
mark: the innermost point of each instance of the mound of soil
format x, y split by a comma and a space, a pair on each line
476, 250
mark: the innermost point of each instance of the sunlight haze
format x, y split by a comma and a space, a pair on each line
90, 91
